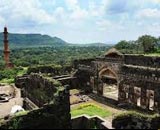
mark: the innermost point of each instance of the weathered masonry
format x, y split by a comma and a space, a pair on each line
140, 82
46, 103
128, 79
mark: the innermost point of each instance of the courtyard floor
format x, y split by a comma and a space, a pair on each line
7, 106
75, 98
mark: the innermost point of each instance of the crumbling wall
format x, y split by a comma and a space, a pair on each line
113, 64
133, 120
82, 80
51, 97
100, 65
53, 116
137, 77
53, 70
141, 60
86, 62
140, 83
39, 89
86, 122
88, 72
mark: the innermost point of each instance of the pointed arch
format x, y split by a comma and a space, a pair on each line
107, 72
113, 53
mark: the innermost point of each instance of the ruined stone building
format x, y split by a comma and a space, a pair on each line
126, 80
136, 77
46, 103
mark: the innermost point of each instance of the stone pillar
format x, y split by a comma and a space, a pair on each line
157, 100
144, 102
131, 95
121, 93
92, 83
100, 88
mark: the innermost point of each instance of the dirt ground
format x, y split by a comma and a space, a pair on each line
6, 89
5, 108
110, 91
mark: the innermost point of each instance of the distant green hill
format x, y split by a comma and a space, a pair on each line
32, 40
39, 40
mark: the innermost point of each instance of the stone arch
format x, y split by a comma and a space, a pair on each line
108, 72
109, 83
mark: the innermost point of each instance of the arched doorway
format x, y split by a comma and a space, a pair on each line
110, 83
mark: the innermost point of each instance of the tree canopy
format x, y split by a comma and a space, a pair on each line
149, 43
144, 44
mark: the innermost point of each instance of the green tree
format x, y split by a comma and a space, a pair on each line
148, 43
122, 45
2, 64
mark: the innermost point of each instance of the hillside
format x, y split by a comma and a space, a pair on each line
39, 40
32, 40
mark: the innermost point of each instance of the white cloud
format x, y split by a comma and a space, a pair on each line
96, 10
76, 13
149, 13
103, 24
72, 4
24, 11
79, 14
2, 21
156, 1
60, 13
105, 16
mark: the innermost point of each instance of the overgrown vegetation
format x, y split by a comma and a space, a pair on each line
135, 120
46, 94
53, 55
133, 114
8, 75
38, 59
91, 110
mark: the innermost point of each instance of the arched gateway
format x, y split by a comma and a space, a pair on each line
108, 77
109, 83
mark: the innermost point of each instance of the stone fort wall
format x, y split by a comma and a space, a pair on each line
140, 80
137, 76
141, 60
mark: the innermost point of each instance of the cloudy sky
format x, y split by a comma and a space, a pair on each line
82, 21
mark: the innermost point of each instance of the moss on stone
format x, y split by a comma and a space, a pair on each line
136, 120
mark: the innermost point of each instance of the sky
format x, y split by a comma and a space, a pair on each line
82, 21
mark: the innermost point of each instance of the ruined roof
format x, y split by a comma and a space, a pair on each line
113, 52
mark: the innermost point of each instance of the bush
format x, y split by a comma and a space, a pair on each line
134, 120
8, 75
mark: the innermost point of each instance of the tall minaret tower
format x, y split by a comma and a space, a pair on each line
6, 49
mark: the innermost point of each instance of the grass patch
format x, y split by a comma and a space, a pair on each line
21, 113
8, 75
153, 54
22, 71
8, 81
91, 110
